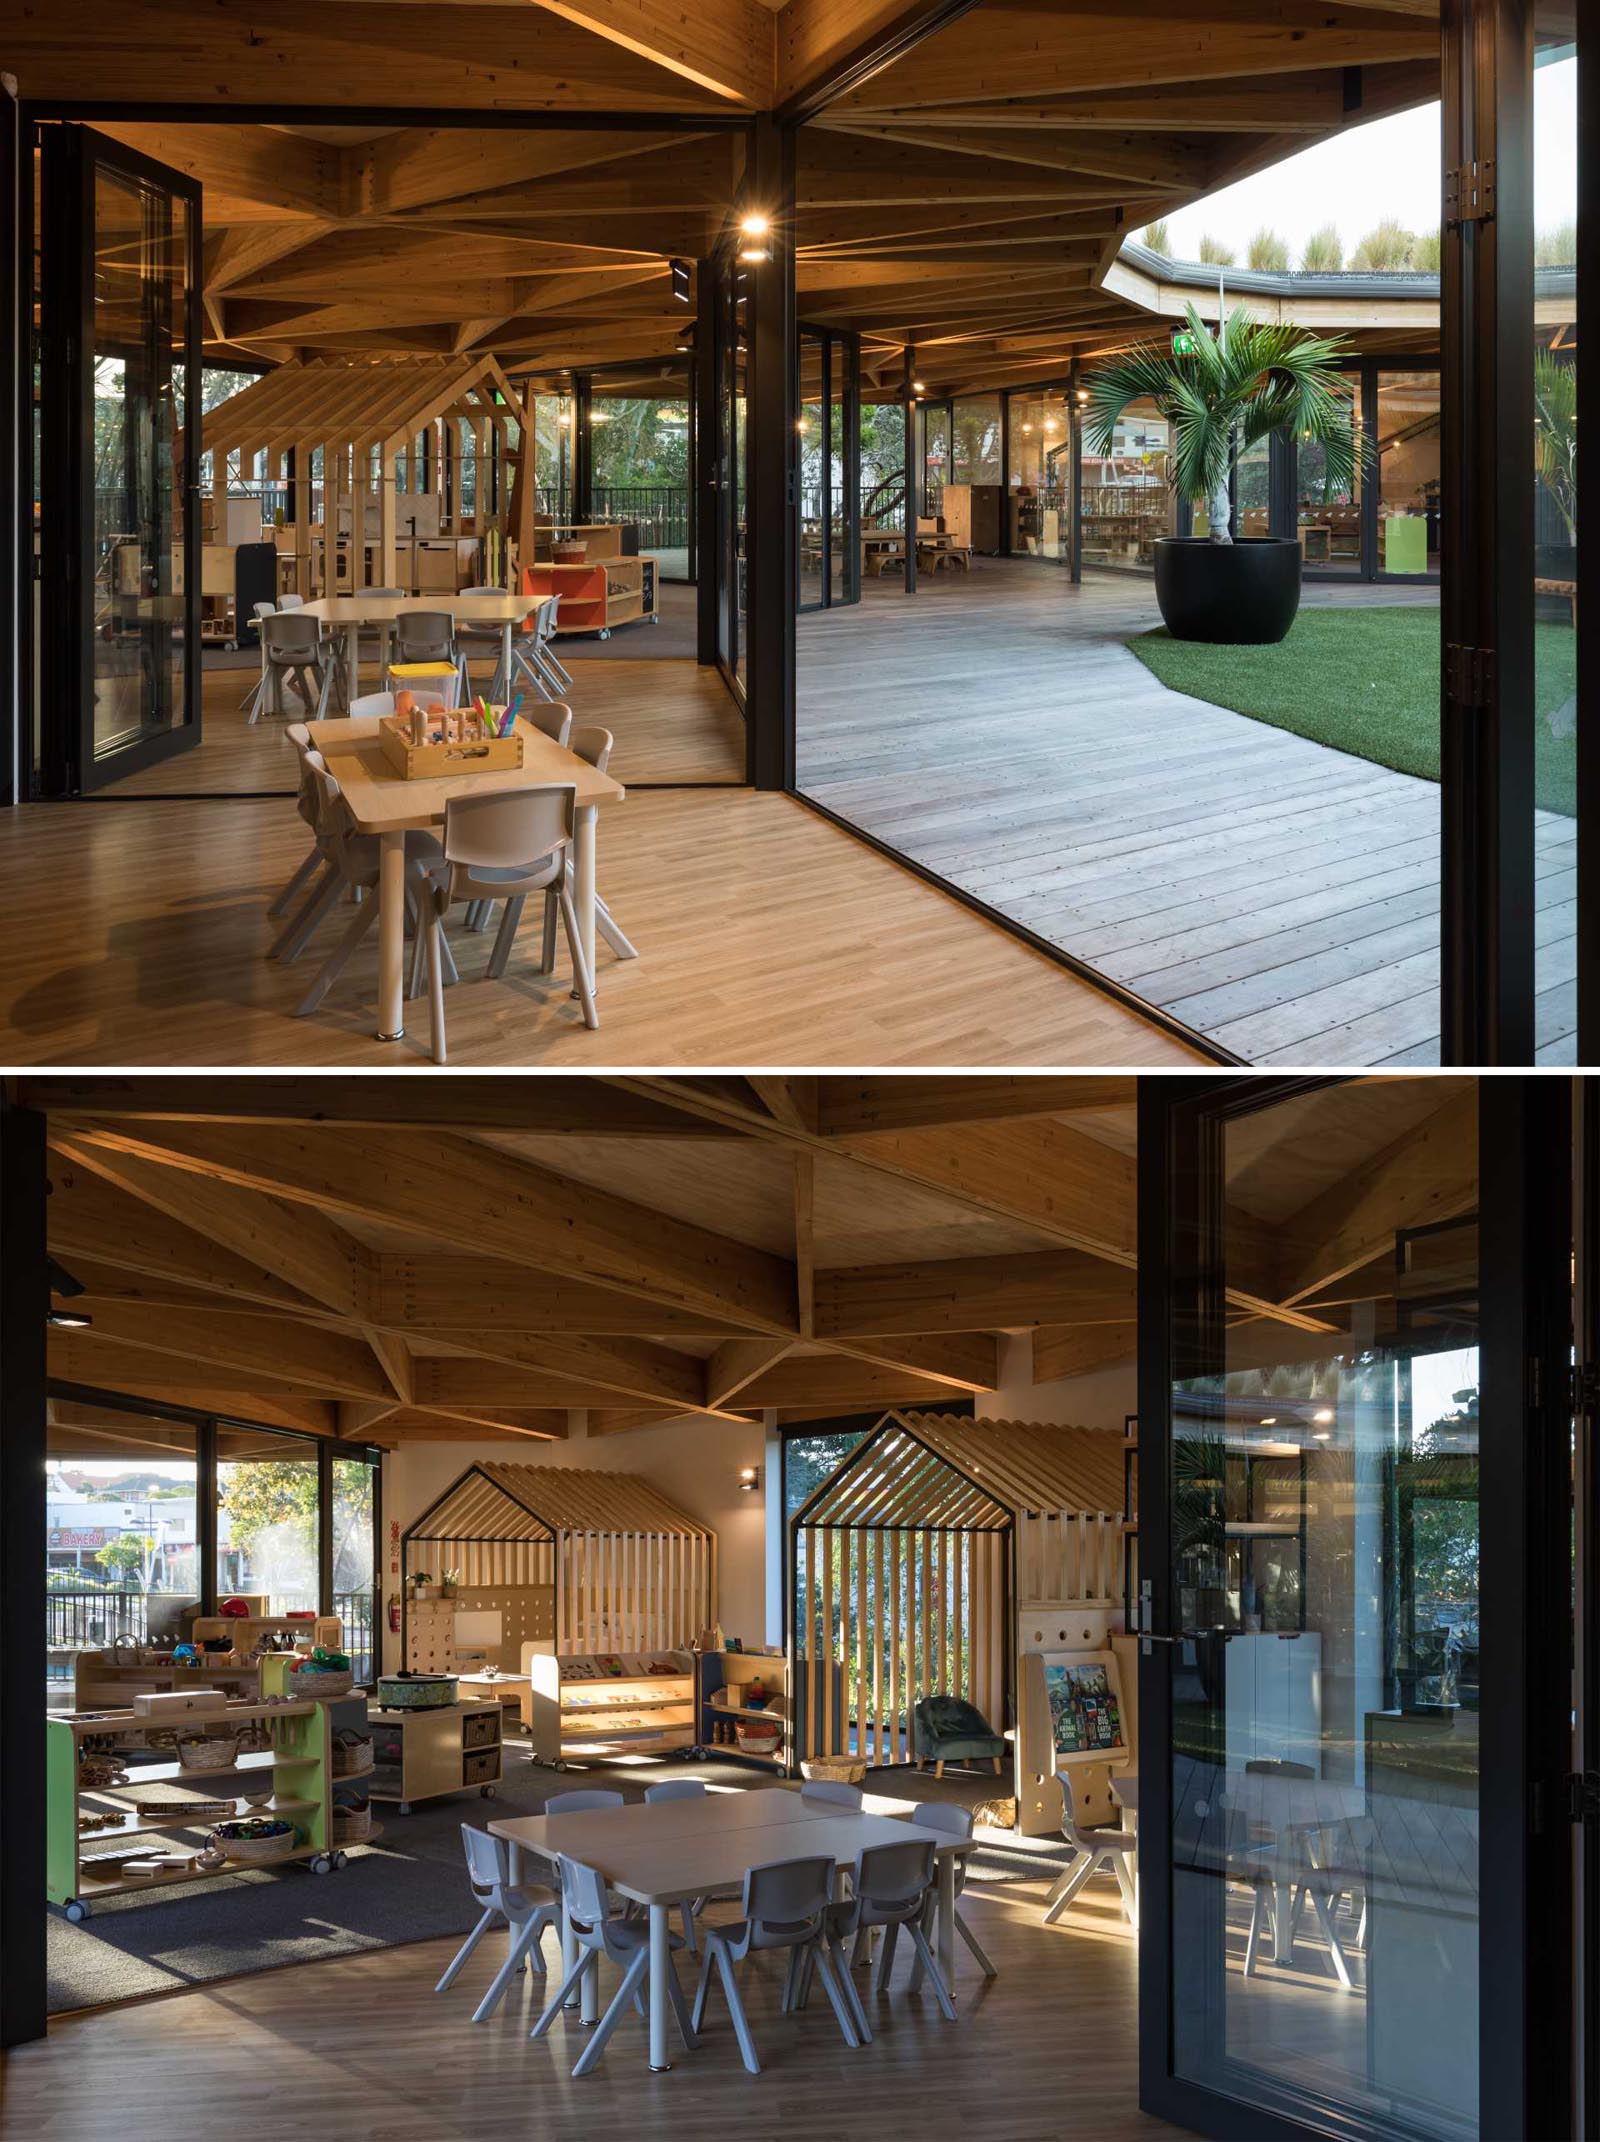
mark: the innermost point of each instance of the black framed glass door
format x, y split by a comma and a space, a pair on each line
828, 494
118, 569
1355, 1317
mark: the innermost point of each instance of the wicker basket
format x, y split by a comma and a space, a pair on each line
219, 1752
351, 1825
352, 1762
758, 1736
321, 1682
836, 1769
256, 1851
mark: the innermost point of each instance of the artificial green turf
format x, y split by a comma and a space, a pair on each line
1367, 681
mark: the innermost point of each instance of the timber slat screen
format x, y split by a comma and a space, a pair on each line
621, 1567
909, 1567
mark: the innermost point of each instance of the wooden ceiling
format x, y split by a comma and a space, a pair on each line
966, 197
369, 1259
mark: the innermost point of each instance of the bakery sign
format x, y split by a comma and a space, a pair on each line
92, 1536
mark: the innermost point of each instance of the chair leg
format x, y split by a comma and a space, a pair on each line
891, 1935
792, 1979
608, 929
941, 1991
1341, 1969
702, 1991
687, 1918
504, 937
434, 926
547, 946
839, 1999
680, 2007
292, 940
365, 916
852, 1993
580, 966
1260, 1914
466, 1950
527, 1940
621, 2002
1130, 1895
741, 2022
1067, 1888
563, 1993
307, 869
971, 1939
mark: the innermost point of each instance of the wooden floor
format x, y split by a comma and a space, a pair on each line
766, 935
673, 722
1279, 897
362, 2048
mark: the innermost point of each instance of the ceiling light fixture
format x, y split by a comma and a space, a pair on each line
754, 225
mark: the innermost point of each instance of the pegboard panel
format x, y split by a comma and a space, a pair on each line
527, 1616
431, 1635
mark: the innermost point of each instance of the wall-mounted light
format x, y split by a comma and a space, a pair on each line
679, 271
69, 1319
755, 225
66, 1283
749, 1479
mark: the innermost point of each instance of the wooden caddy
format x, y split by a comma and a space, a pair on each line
466, 748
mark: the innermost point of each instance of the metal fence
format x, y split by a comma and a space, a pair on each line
661, 509
89, 1619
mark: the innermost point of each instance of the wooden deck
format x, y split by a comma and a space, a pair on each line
1276, 896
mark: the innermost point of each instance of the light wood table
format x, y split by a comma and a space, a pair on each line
666, 1854
384, 803
346, 613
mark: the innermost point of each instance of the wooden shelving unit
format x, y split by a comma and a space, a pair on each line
298, 1766
721, 1677
599, 594
427, 1754
579, 1705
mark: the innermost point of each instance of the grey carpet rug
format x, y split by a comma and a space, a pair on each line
406, 1886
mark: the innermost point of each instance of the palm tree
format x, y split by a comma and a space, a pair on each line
1223, 393
1555, 434
1324, 251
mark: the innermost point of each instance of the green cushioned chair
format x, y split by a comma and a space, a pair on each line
947, 1729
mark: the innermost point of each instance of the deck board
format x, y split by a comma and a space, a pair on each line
1277, 896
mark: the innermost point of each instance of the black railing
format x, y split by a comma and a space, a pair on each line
83, 1620
661, 510
354, 1610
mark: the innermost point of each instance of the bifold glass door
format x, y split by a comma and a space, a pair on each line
119, 555
1330, 1471
828, 495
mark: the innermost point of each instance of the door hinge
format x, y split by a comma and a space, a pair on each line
1469, 193
1469, 676
1583, 1795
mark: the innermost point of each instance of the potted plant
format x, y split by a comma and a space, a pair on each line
448, 1581
422, 1585
1221, 394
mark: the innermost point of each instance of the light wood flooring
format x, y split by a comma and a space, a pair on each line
1279, 897
361, 2047
766, 936
673, 722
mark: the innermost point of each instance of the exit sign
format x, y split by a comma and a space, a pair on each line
1185, 343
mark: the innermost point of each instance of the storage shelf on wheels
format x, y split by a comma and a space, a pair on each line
721, 1680
290, 1779
599, 1704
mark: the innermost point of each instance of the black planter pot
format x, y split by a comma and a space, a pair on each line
1239, 594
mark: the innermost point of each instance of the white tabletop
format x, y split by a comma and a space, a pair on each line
665, 1852
500, 608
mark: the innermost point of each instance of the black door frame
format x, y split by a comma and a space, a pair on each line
71, 156
1525, 1928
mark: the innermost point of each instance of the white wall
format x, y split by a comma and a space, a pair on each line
1101, 1399
695, 1460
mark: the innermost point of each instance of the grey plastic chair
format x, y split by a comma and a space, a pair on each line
598, 1932
423, 636
353, 864
259, 695
306, 804
949, 1821
503, 847
890, 1890
581, 1802
291, 646
533, 656
481, 639
785, 1906
554, 719
526, 1910
838, 1794
1089, 1822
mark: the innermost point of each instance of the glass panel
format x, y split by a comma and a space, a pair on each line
1127, 501
935, 457
975, 439
1252, 494
267, 1531
121, 1538
552, 459
639, 448
883, 484
1329, 515
1040, 499
1408, 472
814, 472
1555, 535
355, 1562
1324, 1489
839, 535
139, 624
